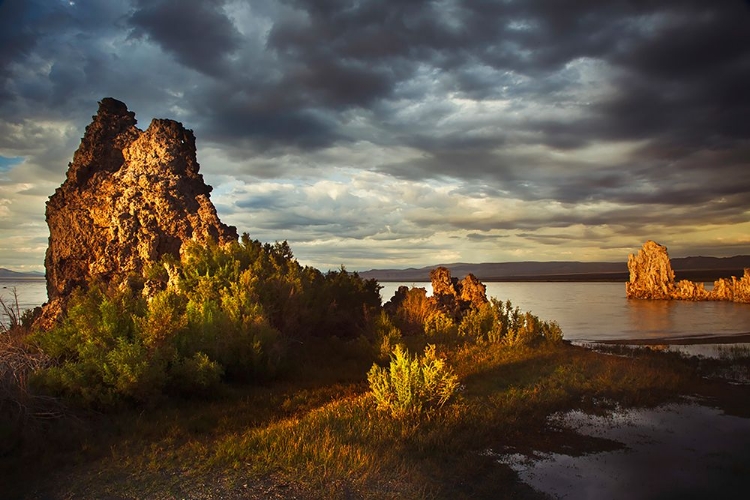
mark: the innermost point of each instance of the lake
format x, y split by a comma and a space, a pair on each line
31, 293
585, 311
599, 311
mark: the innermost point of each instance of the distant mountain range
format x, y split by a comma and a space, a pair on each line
15, 275
692, 268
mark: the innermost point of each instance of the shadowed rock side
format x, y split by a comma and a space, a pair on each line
129, 198
652, 277
455, 297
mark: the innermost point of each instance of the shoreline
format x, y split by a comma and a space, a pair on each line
735, 338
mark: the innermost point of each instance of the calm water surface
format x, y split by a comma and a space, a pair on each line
30, 292
585, 311
600, 311
671, 452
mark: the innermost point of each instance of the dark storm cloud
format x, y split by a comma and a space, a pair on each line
197, 32
636, 108
15, 39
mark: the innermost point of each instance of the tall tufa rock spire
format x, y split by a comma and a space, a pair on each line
130, 197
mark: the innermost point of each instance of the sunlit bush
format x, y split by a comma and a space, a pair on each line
477, 324
440, 326
500, 322
412, 385
386, 336
221, 312
413, 310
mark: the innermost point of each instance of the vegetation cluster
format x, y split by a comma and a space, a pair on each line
243, 365
220, 314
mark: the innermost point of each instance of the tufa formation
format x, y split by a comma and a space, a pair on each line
130, 197
652, 277
449, 295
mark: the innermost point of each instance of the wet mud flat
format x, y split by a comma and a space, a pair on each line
697, 447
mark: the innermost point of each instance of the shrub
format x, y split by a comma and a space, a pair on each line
552, 332
500, 322
413, 311
412, 385
478, 323
220, 312
386, 336
439, 325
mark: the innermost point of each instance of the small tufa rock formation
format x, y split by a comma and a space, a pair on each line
652, 277
454, 297
449, 295
130, 197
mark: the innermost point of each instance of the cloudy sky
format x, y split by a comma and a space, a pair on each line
401, 133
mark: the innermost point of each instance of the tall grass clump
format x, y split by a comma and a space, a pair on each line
411, 386
20, 407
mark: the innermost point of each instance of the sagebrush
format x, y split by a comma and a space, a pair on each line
412, 385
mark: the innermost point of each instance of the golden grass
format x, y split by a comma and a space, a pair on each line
321, 435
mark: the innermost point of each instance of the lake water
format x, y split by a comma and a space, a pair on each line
585, 311
599, 311
31, 293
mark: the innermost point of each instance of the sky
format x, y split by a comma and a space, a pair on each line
403, 133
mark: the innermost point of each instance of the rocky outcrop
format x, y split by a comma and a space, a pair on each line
473, 291
455, 297
130, 197
651, 274
449, 295
734, 289
652, 277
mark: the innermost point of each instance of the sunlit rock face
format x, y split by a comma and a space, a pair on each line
734, 289
652, 277
651, 274
130, 197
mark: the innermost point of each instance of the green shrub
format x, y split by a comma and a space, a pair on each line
412, 385
441, 327
500, 322
196, 375
386, 336
552, 332
478, 323
220, 312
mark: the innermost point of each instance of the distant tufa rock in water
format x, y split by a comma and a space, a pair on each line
652, 277
129, 198
651, 274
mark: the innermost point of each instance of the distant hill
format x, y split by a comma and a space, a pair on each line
15, 275
693, 268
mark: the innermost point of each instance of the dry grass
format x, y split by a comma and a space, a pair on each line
321, 435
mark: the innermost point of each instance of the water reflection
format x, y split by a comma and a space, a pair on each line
675, 451
651, 318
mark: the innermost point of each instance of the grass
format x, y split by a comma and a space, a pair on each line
319, 433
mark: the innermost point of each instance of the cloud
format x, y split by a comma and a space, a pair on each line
197, 32
479, 130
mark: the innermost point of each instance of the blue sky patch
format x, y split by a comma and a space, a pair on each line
7, 163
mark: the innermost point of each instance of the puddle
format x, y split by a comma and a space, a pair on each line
674, 451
